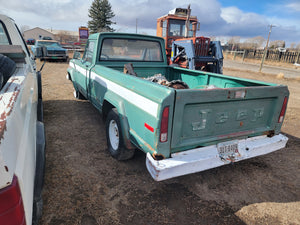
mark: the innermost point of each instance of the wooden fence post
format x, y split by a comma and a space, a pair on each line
244, 56
297, 58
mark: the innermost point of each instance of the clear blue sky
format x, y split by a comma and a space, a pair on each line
221, 18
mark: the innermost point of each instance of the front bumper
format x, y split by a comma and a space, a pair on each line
55, 57
204, 158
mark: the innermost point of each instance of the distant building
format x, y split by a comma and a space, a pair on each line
37, 33
58, 35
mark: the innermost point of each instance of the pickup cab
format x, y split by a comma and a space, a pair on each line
186, 121
22, 139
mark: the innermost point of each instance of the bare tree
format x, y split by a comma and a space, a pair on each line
293, 45
213, 38
64, 36
255, 42
277, 44
234, 41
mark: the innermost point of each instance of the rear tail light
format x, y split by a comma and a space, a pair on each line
283, 109
164, 125
11, 205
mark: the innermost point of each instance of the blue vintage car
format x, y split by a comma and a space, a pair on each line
49, 49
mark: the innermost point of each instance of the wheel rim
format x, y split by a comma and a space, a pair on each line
75, 94
114, 134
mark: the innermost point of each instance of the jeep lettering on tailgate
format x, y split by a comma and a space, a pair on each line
223, 117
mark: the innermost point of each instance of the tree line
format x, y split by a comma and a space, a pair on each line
235, 43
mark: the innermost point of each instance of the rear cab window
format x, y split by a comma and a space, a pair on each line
122, 49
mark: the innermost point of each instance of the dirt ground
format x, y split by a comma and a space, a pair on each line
85, 186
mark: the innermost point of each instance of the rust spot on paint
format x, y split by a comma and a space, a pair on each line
2, 129
149, 147
143, 142
228, 96
128, 144
269, 133
158, 156
10, 105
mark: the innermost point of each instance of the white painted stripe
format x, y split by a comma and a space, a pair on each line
139, 101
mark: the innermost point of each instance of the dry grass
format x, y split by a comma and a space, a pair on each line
258, 61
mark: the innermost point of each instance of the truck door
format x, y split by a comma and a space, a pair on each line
87, 64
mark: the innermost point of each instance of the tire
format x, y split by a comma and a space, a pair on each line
78, 95
7, 68
1, 80
220, 66
114, 137
68, 77
37, 211
40, 113
39, 80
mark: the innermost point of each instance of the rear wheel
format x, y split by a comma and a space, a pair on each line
114, 137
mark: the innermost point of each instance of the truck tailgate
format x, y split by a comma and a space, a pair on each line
203, 117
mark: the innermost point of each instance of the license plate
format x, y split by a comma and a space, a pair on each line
229, 150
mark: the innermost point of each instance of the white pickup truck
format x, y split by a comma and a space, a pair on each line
22, 139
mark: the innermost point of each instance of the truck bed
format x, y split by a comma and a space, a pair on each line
195, 79
218, 108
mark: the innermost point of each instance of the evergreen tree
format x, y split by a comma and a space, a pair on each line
101, 15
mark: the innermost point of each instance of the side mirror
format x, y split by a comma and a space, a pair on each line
76, 55
41, 52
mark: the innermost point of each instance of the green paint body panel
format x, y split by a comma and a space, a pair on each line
215, 109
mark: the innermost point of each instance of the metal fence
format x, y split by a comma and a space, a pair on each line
287, 57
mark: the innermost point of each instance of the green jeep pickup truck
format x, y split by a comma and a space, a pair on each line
186, 121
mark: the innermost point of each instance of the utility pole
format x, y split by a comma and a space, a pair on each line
266, 49
136, 21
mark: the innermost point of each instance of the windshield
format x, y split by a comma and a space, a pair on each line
48, 43
3, 36
177, 28
130, 50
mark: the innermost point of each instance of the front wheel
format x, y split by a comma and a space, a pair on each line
114, 137
78, 95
